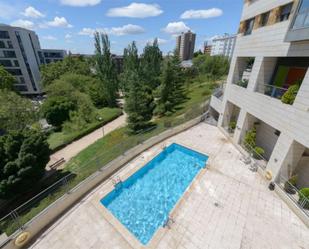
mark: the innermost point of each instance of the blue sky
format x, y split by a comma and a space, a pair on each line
69, 24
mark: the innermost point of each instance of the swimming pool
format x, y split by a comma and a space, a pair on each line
143, 202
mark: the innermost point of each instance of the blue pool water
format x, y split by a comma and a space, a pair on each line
143, 202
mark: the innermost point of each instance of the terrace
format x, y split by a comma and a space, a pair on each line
227, 206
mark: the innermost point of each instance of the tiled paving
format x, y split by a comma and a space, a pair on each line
229, 206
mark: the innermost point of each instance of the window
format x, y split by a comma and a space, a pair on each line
6, 63
264, 19
4, 34
249, 26
302, 17
2, 44
16, 63
10, 45
21, 88
22, 80
285, 12
9, 54
14, 71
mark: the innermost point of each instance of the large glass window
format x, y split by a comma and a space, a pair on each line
302, 17
6, 63
9, 54
2, 44
14, 71
285, 12
4, 34
249, 26
264, 19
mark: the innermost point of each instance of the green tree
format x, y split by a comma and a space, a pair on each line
74, 65
106, 69
57, 110
16, 112
130, 63
139, 103
7, 80
151, 64
24, 155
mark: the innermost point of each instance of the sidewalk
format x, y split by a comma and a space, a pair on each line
75, 147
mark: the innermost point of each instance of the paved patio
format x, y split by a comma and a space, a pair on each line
228, 206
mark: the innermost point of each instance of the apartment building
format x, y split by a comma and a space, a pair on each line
185, 45
270, 60
54, 55
21, 55
223, 45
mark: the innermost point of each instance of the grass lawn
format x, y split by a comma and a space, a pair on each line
57, 140
113, 145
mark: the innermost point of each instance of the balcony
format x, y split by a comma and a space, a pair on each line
299, 29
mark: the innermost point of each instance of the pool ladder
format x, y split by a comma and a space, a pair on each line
168, 223
116, 181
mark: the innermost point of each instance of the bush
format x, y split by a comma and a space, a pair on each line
258, 152
243, 83
304, 193
289, 96
288, 185
232, 126
250, 139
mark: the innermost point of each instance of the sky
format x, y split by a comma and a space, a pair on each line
70, 24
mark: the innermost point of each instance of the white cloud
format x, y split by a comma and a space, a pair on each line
50, 37
201, 14
68, 36
32, 12
128, 29
23, 24
59, 22
175, 28
80, 3
137, 10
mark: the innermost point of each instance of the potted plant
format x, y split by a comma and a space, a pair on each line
304, 198
258, 152
289, 96
232, 126
290, 185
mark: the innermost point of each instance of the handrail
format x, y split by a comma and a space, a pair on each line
274, 91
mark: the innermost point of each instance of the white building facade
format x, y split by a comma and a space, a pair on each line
21, 55
223, 45
271, 56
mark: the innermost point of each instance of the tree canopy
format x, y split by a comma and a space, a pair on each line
16, 112
7, 80
53, 71
106, 69
23, 157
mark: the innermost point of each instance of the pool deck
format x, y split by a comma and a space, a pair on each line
227, 206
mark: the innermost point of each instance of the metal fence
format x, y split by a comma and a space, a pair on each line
274, 91
81, 174
293, 193
255, 158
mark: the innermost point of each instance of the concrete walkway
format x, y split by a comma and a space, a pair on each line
74, 148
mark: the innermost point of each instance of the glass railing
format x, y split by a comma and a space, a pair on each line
273, 91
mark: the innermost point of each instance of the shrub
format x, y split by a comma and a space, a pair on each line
304, 193
250, 138
258, 152
232, 125
289, 184
289, 96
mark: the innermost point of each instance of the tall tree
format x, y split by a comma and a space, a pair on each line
130, 63
139, 103
171, 90
7, 80
16, 112
105, 68
24, 155
151, 64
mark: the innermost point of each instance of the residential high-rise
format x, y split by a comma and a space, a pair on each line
21, 55
54, 55
265, 105
223, 45
185, 45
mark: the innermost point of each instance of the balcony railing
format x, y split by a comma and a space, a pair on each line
272, 91
294, 194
